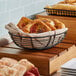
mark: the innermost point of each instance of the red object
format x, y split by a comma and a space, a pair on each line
29, 74
33, 72
33, 28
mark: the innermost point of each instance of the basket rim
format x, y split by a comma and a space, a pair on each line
60, 9
37, 37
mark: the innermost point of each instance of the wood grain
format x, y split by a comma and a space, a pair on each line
45, 60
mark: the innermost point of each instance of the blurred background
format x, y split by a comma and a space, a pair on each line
13, 10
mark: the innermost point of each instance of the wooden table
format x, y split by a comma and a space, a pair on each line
48, 61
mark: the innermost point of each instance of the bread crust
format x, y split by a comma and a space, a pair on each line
37, 22
49, 23
64, 7
23, 22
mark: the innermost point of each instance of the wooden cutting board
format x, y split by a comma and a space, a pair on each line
47, 61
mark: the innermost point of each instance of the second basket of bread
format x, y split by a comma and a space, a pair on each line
37, 34
63, 8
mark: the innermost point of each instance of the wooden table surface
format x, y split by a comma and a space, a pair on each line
40, 57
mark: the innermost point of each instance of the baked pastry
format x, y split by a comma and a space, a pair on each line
8, 61
26, 63
64, 7
23, 22
37, 26
58, 24
21, 68
49, 23
7, 71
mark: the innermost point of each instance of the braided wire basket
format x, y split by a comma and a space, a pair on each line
40, 42
60, 12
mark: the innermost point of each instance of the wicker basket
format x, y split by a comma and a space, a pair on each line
41, 42
60, 12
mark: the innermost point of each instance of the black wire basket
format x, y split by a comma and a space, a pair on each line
60, 12
38, 43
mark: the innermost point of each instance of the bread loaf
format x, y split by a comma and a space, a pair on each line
64, 7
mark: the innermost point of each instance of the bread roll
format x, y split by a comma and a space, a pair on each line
64, 7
